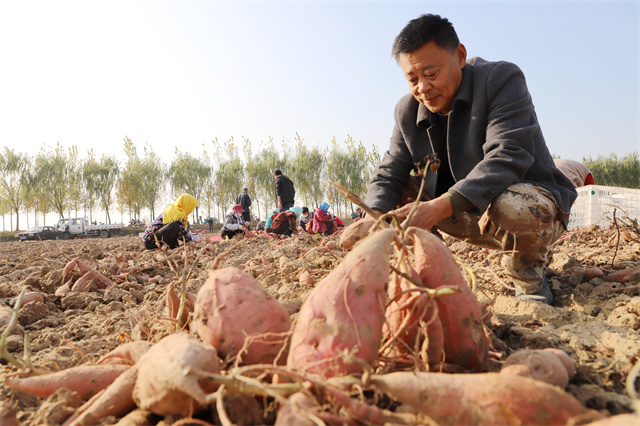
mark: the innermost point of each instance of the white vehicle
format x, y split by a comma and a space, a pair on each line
79, 227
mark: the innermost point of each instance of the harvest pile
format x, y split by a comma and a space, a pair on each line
301, 331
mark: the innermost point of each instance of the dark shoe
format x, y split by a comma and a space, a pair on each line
543, 295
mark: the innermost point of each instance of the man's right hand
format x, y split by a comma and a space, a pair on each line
429, 212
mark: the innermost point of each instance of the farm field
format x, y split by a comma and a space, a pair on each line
594, 273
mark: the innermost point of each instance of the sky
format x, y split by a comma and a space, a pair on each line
179, 74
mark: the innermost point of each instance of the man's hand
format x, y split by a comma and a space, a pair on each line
428, 214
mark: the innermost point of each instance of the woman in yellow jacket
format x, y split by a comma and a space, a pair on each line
171, 226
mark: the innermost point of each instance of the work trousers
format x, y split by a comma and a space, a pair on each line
523, 221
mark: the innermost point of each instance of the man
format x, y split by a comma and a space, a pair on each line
245, 201
284, 191
497, 186
578, 173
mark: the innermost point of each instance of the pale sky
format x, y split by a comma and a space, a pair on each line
179, 74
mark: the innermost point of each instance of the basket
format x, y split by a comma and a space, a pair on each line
595, 205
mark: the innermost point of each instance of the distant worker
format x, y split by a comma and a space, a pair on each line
210, 222
285, 191
171, 225
233, 223
306, 218
286, 223
323, 221
578, 173
245, 201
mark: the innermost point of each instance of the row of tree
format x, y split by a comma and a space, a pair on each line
59, 181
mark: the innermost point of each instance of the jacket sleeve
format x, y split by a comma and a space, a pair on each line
392, 173
231, 223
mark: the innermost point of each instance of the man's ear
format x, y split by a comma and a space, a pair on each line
461, 55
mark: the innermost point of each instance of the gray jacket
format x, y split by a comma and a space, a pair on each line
493, 141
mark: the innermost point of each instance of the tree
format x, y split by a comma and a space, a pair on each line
187, 174
613, 171
338, 164
262, 168
307, 171
55, 173
12, 182
151, 180
104, 180
129, 186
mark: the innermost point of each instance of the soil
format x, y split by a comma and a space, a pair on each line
595, 277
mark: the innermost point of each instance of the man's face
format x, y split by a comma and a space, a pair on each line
434, 75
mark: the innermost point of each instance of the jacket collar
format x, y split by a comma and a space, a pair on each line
464, 94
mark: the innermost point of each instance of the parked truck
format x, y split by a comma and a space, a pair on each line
79, 227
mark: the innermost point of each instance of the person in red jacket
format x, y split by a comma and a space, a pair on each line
323, 221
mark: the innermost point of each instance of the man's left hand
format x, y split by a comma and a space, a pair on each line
429, 213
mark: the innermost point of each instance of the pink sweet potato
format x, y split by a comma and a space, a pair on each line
465, 341
355, 232
127, 354
405, 312
540, 364
232, 306
345, 311
482, 399
86, 380
162, 386
116, 400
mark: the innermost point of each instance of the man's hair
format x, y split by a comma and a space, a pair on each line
422, 30
245, 189
277, 172
305, 210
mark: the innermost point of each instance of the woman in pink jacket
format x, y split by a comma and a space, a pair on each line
323, 221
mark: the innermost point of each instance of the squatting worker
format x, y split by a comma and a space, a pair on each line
497, 186
171, 225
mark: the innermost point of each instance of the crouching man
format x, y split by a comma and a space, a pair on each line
497, 186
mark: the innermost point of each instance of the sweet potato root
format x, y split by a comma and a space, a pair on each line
345, 311
163, 388
405, 312
86, 380
127, 354
354, 233
232, 306
465, 341
540, 364
116, 400
482, 399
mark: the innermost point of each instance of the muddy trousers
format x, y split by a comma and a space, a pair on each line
522, 221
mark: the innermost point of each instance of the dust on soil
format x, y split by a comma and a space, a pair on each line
595, 320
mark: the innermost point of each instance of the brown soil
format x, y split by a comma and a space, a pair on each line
595, 320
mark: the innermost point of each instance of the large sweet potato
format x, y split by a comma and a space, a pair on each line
405, 313
232, 306
482, 399
465, 341
541, 364
162, 386
345, 311
86, 380
355, 232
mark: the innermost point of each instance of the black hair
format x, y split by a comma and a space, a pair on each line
305, 210
422, 30
277, 172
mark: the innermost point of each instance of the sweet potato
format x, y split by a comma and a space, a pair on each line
116, 400
355, 232
232, 306
86, 380
297, 410
465, 341
345, 311
540, 364
127, 354
162, 386
482, 398
404, 313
